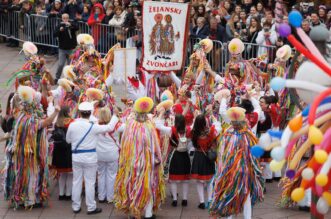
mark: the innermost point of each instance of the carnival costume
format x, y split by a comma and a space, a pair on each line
26, 170
139, 183
239, 177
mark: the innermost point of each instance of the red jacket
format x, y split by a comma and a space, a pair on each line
95, 20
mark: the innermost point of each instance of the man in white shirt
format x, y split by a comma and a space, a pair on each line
82, 135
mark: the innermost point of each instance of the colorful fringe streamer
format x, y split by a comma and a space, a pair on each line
238, 174
139, 180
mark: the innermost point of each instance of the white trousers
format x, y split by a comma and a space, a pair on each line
306, 202
86, 172
267, 173
107, 172
65, 184
149, 209
247, 208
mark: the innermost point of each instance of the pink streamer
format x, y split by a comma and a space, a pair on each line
310, 45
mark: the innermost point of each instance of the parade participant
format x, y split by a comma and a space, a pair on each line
83, 135
184, 105
238, 182
89, 66
108, 148
85, 42
62, 160
180, 166
262, 127
26, 172
139, 183
203, 168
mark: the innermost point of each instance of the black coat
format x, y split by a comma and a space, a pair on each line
73, 9
202, 33
220, 33
62, 150
67, 37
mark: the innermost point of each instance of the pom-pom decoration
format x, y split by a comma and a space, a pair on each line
94, 94
257, 151
85, 38
298, 194
65, 84
68, 73
207, 45
167, 104
295, 18
284, 52
143, 105
26, 94
29, 48
236, 114
236, 46
284, 30
166, 95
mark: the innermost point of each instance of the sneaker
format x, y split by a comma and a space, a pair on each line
96, 211
174, 203
201, 206
77, 211
184, 203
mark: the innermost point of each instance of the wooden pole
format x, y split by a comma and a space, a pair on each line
125, 74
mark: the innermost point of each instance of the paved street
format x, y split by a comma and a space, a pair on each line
10, 61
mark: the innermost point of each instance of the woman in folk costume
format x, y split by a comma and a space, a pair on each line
180, 165
62, 159
108, 148
238, 181
26, 170
203, 168
139, 185
184, 105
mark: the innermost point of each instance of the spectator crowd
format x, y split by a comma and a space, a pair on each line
250, 20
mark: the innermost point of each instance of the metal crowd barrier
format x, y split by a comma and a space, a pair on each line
40, 30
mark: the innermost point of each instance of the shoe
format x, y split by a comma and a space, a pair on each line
277, 179
62, 197
304, 208
56, 80
184, 203
103, 201
96, 211
268, 180
174, 203
201, 206
264, 190
153, 217
77, 211
68, 198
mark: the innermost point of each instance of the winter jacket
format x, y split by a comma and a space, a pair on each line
67, 37
94, 20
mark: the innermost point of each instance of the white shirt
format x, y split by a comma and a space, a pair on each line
76, 132
108, 145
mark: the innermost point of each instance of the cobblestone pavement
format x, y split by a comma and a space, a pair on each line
10, 61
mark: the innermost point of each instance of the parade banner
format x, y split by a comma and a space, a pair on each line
123, 65
164, 35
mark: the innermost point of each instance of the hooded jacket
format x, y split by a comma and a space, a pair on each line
94, 20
